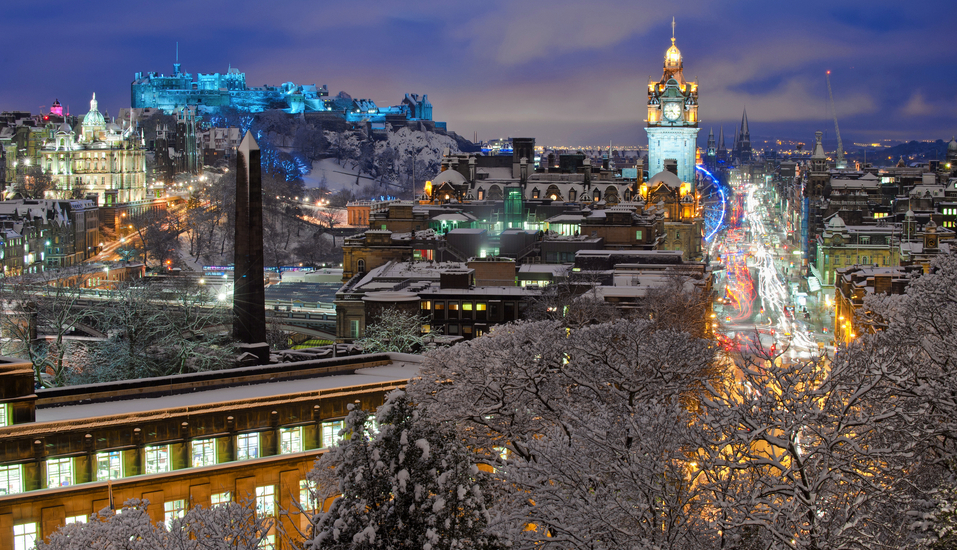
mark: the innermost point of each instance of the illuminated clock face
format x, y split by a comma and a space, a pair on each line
672, 111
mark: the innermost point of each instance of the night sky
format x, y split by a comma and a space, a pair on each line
564, 72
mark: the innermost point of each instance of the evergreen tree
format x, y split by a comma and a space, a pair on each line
411, 484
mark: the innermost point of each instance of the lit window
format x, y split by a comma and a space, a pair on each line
467, 306
109, 465
204, 452
480, 306
77, 519
59, 472
24, 536
216, 499
11, 480
247, 446
268, 542
638, 235
266, 501
307, 494
4, 419
174, 509
157, 459
330, 432
290, 440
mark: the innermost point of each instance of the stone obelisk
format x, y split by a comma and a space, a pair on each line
249, 297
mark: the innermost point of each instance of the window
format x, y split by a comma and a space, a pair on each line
467, 306
266, 501
247, 446
425, 304
11, 480
59, 472
290, 440
268, 542
865, 240
174, 509
157, 459
204, 452
361, 265
24, 536
480, 306
216, 499
330, 432
77, 519
109, 465
638, 235
307, 494
4, 420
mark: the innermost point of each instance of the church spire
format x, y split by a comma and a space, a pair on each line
744, 124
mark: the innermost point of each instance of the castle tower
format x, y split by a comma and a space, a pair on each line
672, 124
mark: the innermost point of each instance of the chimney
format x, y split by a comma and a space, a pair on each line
587, 166
523, 171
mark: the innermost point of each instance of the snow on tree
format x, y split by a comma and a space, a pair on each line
917, 351
409, 484
624, 480
523, 379
228, 526
808, 453
393, 330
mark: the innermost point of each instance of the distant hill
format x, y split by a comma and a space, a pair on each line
912, 151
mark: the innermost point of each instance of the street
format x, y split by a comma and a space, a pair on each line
760, 308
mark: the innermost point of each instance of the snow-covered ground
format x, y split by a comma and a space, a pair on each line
330, 174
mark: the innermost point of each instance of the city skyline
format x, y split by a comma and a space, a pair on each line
563, 72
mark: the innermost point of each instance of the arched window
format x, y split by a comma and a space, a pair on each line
361, 266
480, 194
597, 195
572, 195
535, 193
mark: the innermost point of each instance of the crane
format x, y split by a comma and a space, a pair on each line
841, 163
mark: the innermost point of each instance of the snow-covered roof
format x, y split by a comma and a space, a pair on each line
399, 370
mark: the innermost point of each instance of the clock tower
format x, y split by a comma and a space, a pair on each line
672, 117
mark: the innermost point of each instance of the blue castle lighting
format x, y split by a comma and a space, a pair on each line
211, 92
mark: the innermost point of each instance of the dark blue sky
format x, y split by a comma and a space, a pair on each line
565, 72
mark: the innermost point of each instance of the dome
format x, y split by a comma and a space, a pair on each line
952, 146
452, 177
672, 56
94, 118
667, 178
836, 224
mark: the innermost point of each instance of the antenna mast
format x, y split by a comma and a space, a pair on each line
841, 163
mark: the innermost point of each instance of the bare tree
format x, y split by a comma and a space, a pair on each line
32, 183
228, 526
37, 319
810, 453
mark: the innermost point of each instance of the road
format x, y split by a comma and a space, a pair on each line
760, 310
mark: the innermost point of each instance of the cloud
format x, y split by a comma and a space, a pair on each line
917, 106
